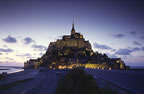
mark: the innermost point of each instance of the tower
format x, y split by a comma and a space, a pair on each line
73, 30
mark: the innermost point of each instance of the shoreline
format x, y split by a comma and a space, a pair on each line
10, 70
18, 76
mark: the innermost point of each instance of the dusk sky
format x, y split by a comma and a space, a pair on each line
114, 27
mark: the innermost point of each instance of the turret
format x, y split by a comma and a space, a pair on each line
73, 30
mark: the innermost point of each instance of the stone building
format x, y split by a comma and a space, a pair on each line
74, 51
32, 63
75, 40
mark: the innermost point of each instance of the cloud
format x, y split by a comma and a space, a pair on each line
28, 40
9, 58
142, 48
142, 37
111, 55
10, 63
133, 33
136, 49
113, 50
136, 43
142, 56
41, 54
10, 39
0, 53
123, 52
24, 55
39, 47
32, 57
119, 35
126, 51
101, 46
6, 50
124, 57
5, 46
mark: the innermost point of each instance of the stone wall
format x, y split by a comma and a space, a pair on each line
97, 66
78, 43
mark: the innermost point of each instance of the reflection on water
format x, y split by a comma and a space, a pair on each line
10, 69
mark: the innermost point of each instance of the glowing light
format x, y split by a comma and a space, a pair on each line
118, 61
110, 68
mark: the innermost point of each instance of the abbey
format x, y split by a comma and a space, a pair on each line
74, 51
75, 40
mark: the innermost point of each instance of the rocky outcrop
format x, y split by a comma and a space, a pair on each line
73, 50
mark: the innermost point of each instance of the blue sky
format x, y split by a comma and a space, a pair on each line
115, 27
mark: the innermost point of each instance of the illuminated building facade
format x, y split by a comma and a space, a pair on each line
74, 51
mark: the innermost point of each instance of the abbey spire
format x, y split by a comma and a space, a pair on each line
73, 29
73, 24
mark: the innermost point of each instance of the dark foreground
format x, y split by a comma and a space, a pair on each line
132, 81
44, 82
77, 81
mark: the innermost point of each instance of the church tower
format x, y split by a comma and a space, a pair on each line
73, 29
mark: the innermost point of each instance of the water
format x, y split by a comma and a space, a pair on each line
137, 67
9, 69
